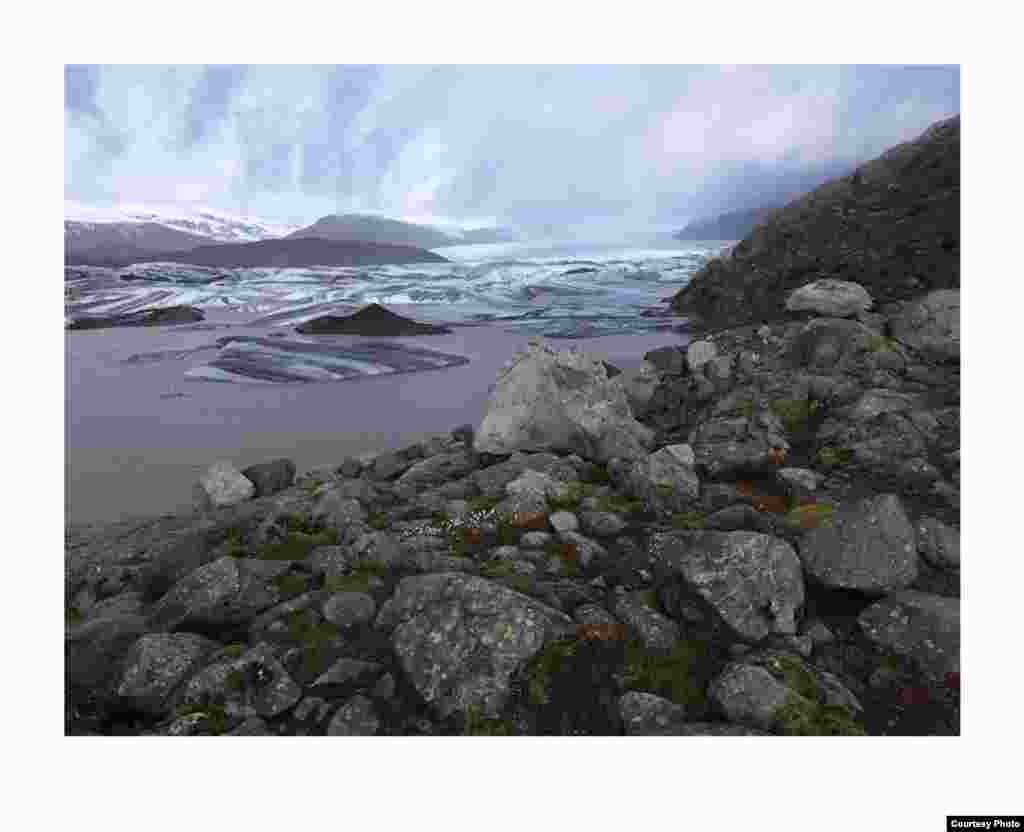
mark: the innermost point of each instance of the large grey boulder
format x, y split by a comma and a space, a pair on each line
156, 664
222, 485
665, 481
640, 382
549, 400
830, 299
920, 626
700, 353
460, 638
754, 581
938, 543
869, 546
931, 325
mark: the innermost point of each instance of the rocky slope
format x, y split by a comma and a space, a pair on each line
731, 226
893, 226
369, 228
772, 548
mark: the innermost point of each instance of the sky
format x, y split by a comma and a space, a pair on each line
619, 146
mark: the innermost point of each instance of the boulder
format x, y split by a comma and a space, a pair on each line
270, 477
931, 325
222, 485
938, 543
551, 400
665, 481
830, 299
753, 580
919, 626
700, 353
869, 546
156, 665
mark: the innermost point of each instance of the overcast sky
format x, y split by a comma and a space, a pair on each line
629, 146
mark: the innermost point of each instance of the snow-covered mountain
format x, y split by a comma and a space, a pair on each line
83, 223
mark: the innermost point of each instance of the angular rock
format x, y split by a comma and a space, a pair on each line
869, 546
156, 665
668, 360
754, 581
938, 543
665, 481
460, 638
830, 299
356, 718
440, 468
931, 325
254, 684
222, 485
564, 521
920, 626
345, 609
561, 401
655, 630
271, 477
338, 512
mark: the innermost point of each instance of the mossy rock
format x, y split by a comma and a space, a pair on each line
691, 520
297, 545
744, 407
290, 585
809, 516
377, 521
496, 568
800, 717
476, 725
215, 718
72, 617
879, 343
235, 650
542, 664
830, 457
597, 474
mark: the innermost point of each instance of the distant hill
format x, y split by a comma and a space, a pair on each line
734, 225
301, 253
372, 229
117, 240
893, 225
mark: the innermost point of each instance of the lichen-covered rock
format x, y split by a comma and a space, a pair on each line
699, 353
739, 445
222, 485
931, 325
830, 299
438, 469
938, 543
460, 638
548, 400
344, 671
156, 664
345, 609
754, 581
338, 512
228, 590
920, 626
254, 684
356, 718
869, 546
655, 630
665, 481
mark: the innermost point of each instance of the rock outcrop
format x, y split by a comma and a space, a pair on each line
893, 226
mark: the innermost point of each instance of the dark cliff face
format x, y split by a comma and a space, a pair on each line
893, 226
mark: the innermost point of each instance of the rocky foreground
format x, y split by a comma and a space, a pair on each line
771, 548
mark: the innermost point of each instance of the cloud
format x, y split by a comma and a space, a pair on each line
523, 144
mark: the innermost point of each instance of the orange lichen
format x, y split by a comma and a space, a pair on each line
536, 521
470, 536
744, 488
770, 502
600, 632
776, 456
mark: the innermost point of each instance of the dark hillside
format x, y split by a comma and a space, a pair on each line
892, 226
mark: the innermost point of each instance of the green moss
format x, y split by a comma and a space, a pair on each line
475, 725
314, 636
234, 680
810, 516
572, 494
358, 578
519, 583
541, 665
618, 504
743, 407
376, 520
505, 533
214, 716
664, 491
290, 585
440, 520
649, 598
879, 343
597, 474
72, 616
793, 674
829, 457
675, 675
233, 651
299, 543
800, 717
496, 568
568, 556
687, 520
310, 487
793, 412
